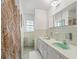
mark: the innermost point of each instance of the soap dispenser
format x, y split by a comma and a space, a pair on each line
68, 37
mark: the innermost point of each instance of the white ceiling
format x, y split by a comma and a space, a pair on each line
42, 4
28, 6
73, 7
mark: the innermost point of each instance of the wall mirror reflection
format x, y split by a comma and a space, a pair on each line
66, 17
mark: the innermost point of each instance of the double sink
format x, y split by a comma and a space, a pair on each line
59, 44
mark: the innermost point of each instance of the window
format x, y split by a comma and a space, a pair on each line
29, 25
60, 23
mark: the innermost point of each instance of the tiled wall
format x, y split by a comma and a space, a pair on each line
29, 39
31, 36
65, 14
59, 33
42, 33
10, 33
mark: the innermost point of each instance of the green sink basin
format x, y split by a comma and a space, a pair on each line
61, 45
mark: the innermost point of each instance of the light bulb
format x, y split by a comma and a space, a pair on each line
55, 3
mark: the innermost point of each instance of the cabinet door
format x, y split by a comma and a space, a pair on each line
45, 47
38, 44
42, 48
52, 54
62, 56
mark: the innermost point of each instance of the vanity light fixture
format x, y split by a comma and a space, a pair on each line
54, 3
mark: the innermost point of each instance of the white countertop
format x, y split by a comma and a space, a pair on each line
70, 53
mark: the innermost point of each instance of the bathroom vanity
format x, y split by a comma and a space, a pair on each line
50, 51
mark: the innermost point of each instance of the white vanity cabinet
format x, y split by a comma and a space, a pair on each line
39, 46
62, 57
47, 52
44, 50
52, 54
42, 47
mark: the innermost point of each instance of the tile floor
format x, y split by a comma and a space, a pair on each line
30, 53
26, 51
